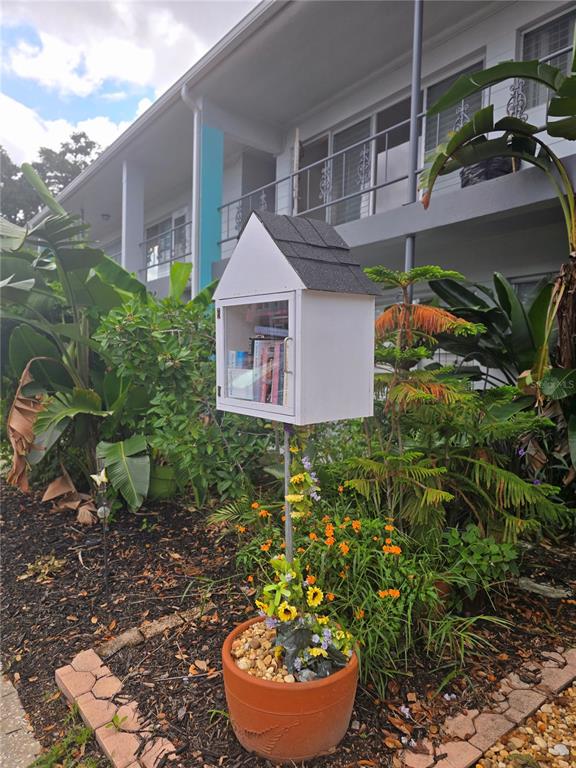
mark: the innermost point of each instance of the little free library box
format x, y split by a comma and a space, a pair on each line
294, 325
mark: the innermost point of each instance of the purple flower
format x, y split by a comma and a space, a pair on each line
327, 634
270, 622
306, 463
324, 645
315, 496
405, 711
521, 452
298, 663
288, 576
536, 481
315, 638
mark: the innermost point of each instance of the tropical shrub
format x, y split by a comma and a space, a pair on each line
164, 353
55, 289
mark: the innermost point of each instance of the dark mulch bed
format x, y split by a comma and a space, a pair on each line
171, 562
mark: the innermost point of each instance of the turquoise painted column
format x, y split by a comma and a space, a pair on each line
211, 172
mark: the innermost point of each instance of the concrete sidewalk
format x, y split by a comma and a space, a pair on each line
18, 747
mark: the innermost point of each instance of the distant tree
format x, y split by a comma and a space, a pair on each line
18, 201
57, 168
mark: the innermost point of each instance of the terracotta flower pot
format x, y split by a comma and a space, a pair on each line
287, 721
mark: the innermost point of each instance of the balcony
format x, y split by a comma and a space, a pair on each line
370, 176
160, 250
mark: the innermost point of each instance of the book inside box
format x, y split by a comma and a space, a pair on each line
255, 337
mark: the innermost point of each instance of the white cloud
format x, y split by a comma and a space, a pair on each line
143, 105
83, 45
23, 132
81, 69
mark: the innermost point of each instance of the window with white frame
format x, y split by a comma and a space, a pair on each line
552, 41
166, 241
439, 126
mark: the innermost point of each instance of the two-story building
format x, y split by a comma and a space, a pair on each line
305, 108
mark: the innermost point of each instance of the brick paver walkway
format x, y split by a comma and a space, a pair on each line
18, 747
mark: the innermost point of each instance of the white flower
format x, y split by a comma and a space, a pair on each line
100, 479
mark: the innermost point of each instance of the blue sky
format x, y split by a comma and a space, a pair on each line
96, 65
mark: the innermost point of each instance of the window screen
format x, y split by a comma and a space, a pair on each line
541, 43
439, 126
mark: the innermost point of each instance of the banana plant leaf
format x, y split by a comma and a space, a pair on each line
559, 383
11, 235
469, 84
180, 272
32, 177
27, 343
127, 468
572, 438
58, 413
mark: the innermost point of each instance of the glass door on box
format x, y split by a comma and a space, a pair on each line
256, 349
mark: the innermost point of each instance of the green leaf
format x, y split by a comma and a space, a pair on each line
564, 129
572, 438
204, 298
538, 312
79, 258
11, 235
27, 343
44, 193
57, 415
180, 272
559, 383
469, 84
520, 331
111, 273
16, 291
128, 472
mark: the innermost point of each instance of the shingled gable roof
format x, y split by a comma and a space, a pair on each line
317, 254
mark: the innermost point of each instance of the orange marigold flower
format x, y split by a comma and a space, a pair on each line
394, 593
241, 528
330, 596
329, 530
388, 527
325, 519
342, 574
383, 593
264, 513
391, 549
344, 548
375, 538
311, 579
283, 518
330, 540
359, 613
301, 550
265, 547
255, 505
283, 545
313, 536
346, 519
356, 525
250, 578
388, 541
340, 489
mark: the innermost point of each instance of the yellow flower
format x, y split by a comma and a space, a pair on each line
278, 652
297, 479
322, 619
100, 479
261, 605
287, 612
314, 596
294, 498
318, 652
293, 449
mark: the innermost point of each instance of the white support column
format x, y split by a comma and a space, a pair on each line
132, 217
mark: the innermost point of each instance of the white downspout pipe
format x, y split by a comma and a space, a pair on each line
195, 206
